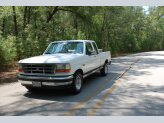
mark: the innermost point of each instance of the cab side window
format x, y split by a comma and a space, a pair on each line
88, 48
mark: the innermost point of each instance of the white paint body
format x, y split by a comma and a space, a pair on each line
77, 61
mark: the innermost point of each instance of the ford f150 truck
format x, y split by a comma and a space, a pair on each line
63, 64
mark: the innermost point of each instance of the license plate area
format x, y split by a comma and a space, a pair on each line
36, 84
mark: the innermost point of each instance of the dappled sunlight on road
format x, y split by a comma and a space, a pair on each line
133, 86
141, 90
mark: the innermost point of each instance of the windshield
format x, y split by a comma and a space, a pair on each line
65, 47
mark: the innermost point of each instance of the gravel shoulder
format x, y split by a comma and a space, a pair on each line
8, 76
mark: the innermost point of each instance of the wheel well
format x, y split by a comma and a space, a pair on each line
79, 70
106, 61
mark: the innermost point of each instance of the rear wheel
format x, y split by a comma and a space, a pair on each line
77, 83
104, 70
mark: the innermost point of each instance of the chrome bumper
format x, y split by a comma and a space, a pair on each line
27, 80
29, 83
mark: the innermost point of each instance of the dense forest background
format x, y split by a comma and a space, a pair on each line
26, 31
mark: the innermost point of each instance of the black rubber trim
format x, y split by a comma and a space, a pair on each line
92, 70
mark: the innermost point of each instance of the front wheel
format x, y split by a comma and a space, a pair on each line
104, 70
77, 83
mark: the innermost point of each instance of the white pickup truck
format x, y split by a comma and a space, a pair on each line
63, 64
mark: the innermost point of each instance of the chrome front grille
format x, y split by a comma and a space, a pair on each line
38, 68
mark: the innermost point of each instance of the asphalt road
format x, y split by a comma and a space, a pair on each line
133, 86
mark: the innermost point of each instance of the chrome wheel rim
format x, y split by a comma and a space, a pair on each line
78, 82
106, 68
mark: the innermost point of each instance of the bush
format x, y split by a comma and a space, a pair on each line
7, 50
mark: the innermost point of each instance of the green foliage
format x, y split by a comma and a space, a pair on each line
7, 50
27, 31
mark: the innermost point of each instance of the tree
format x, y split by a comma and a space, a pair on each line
119, 29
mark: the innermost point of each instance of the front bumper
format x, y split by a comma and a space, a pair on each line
44, 80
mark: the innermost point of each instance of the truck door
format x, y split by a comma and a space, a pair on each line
90, 58
96, 55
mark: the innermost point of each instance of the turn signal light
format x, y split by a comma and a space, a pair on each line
20, 70
64, 71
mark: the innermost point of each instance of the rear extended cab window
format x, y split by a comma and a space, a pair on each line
95, 47
89, 48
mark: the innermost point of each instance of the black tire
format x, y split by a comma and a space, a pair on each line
77, 83
103, 70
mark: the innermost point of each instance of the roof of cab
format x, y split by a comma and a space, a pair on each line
74, 41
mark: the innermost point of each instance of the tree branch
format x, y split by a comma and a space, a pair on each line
52, 14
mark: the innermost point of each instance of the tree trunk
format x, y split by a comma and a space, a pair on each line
103, 31
25, 16
15, 21
75, 25
49, 17
29, 15
35, 19
3, 26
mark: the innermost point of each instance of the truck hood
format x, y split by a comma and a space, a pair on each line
53, 58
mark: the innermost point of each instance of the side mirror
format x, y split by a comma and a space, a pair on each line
100, 50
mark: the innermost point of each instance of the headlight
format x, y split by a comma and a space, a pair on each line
63, 67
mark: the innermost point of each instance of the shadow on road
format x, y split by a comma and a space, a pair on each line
93, 85
50, 101
139, 98
58, 101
